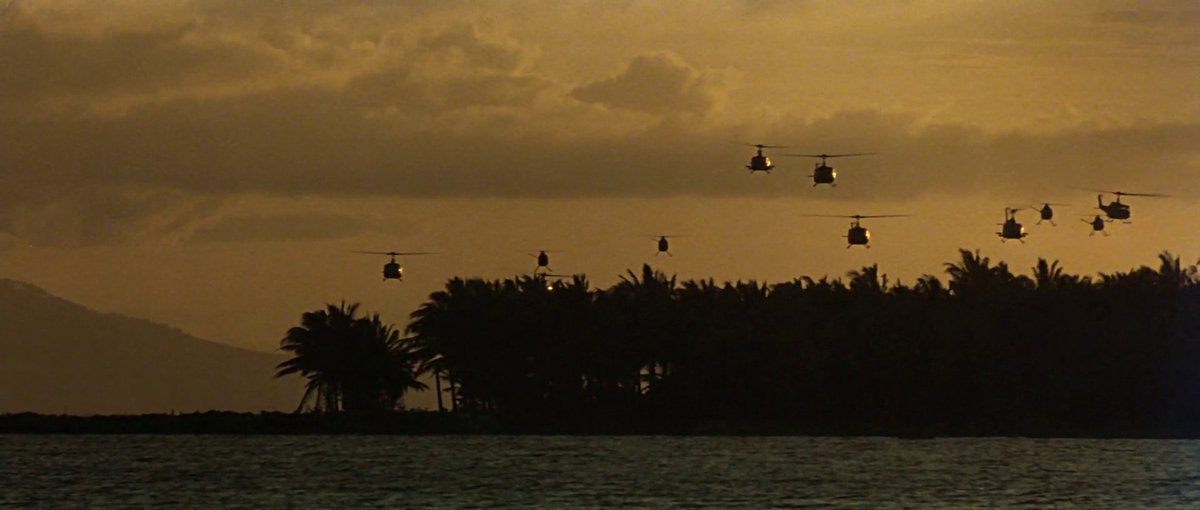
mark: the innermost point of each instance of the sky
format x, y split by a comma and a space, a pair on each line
213, 165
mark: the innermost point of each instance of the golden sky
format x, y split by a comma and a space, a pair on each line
212, 164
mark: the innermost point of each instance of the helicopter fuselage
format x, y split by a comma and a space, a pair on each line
824, 174
858, 235
1012, 230
1097, 224
663, 245
1116, 210
543, 260
760, 163
1046, 212
393, 271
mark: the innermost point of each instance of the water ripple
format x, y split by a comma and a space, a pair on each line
593, 472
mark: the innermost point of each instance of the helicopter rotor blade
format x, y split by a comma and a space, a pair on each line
1154, 195
856, 216
826, 156
1120, 193
396, 253
764, 146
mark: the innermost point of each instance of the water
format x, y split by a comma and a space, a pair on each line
592, 472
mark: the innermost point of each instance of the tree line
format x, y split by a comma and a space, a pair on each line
987, 351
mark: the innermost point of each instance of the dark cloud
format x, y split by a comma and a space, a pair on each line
399, 90
456, 112
282, 227
100, 216
306, 144
69, 68
464, 45
1149, 17
8, 243
46, 68
655, 83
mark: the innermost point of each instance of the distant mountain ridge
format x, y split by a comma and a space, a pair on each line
59, 357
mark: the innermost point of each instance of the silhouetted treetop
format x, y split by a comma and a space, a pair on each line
990, 351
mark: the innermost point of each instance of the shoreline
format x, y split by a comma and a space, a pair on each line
435, 423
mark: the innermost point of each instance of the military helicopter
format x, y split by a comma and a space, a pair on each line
664, 245
1097, 224
1047, 213
543, 260
822, 172
759, 162
1115, 209
393, 270
858, 234
1010, 229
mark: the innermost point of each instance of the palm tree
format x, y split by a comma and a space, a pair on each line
868, 280
1046, 276
975, 275
313, 345
930, 287
1172, 274
1049, 276
385, 367
352, 363
647, 321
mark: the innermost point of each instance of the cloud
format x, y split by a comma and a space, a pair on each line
117, 128
464, 46
107, 216
304, 226
1187, 18
61, 65
73, 59
657, 83
8, 242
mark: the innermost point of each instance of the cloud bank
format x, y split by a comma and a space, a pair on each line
116, 128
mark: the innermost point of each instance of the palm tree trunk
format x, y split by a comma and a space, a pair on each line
437, 378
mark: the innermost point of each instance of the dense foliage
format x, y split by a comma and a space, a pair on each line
988, 352
352, 363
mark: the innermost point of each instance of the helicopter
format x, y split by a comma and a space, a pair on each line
664, 245
1010, 229
393, 270
543, 261
759, 162
1115, 209
1047, 213
858, 234
822, 172
1097, 224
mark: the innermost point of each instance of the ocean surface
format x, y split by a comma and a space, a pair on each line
136, 471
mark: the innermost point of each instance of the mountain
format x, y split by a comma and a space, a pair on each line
58, 357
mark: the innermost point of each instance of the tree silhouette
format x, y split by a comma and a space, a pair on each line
987, 352
352, 363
